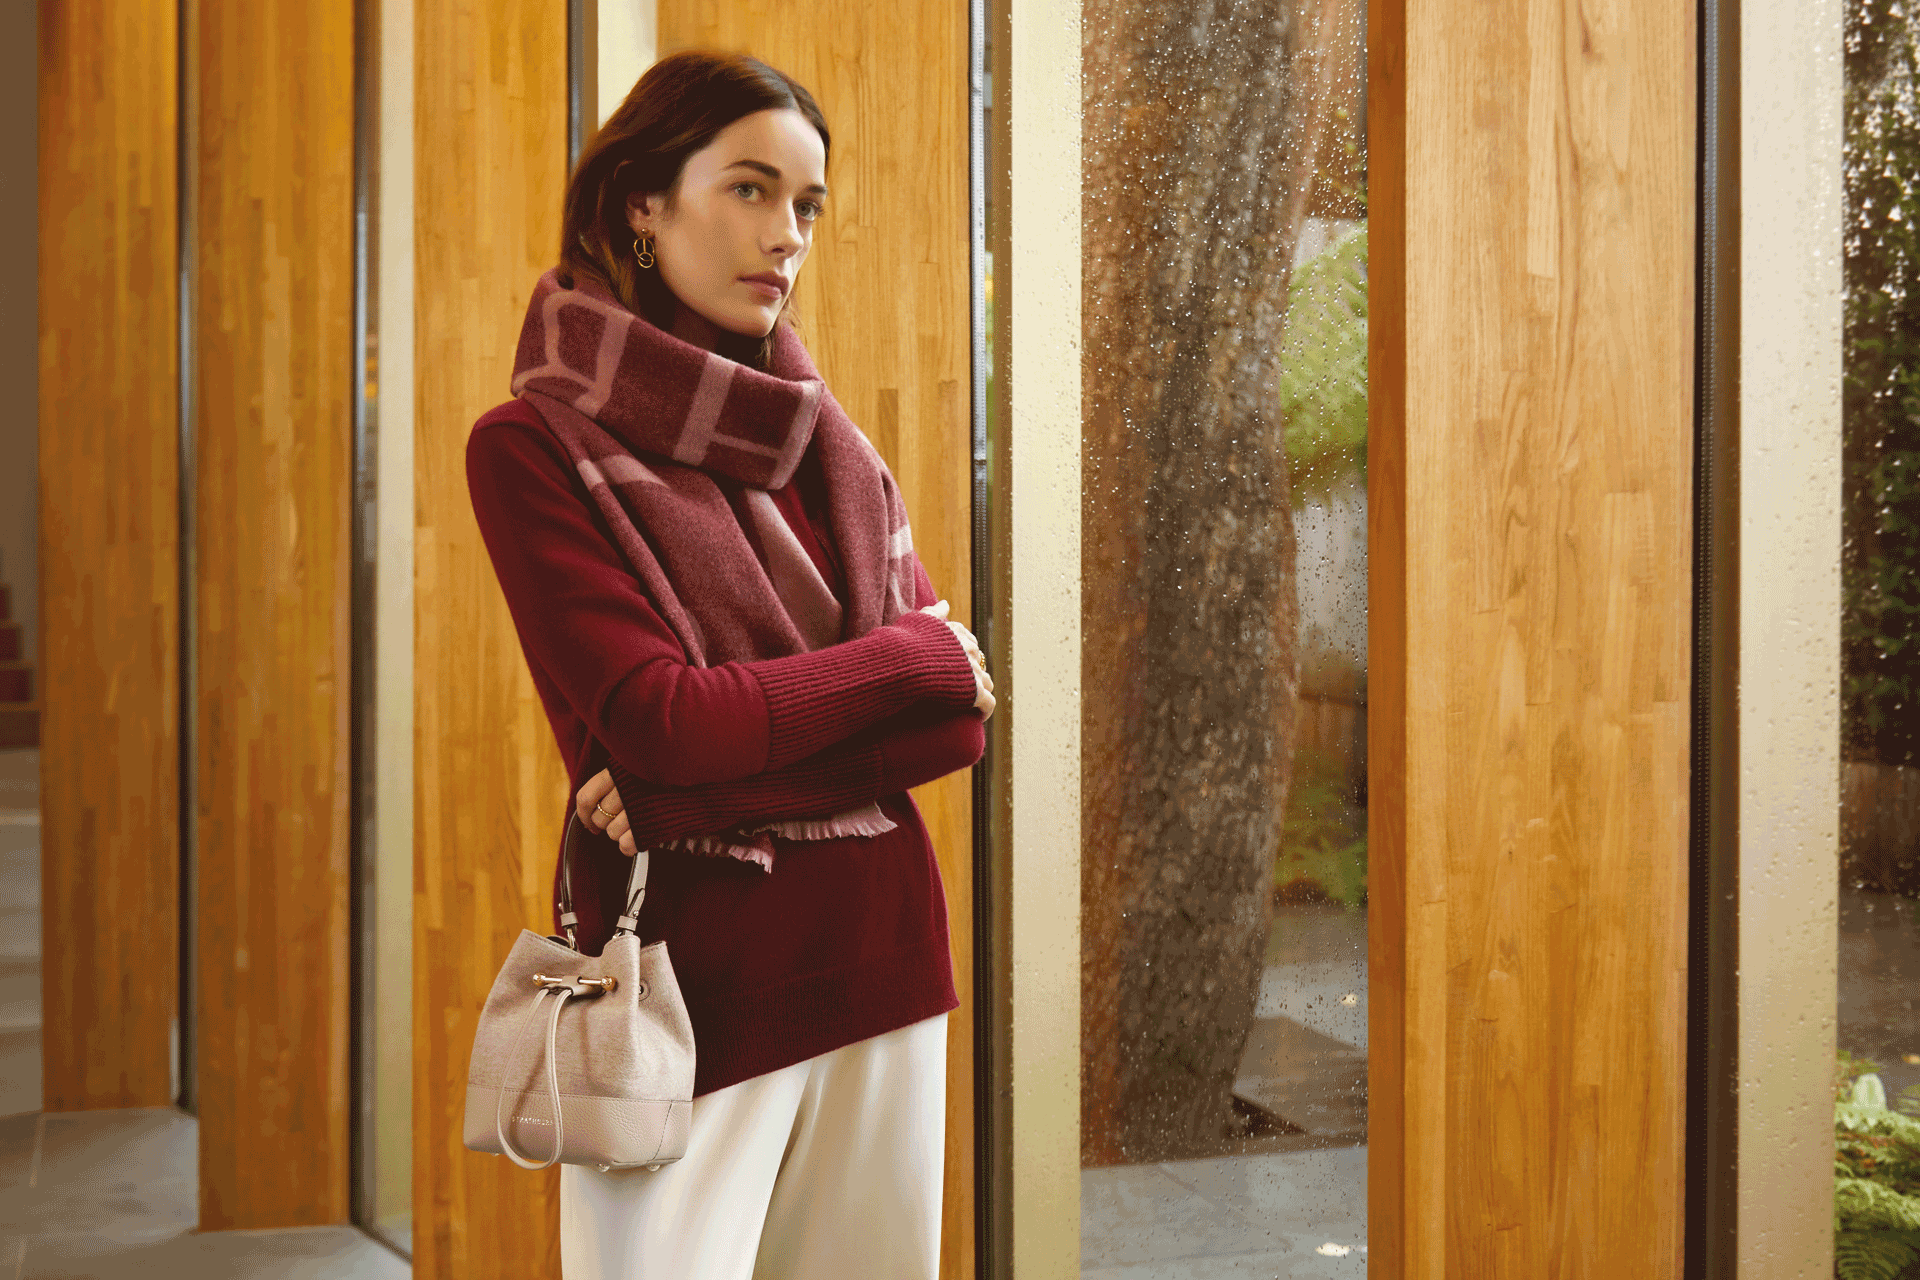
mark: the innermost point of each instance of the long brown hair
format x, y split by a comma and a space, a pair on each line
675, 109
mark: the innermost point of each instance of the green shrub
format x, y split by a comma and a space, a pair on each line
1323, 369
1876, 1181
1323, 844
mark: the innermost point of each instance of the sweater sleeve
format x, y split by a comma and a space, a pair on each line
923, 592
912, 748
584, 618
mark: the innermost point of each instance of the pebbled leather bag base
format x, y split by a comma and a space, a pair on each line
583, 1059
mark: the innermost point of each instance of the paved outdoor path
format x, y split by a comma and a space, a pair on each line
1291, 1206
1880, 984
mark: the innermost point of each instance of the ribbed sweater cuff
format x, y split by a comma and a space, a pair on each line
833, 783
817, 699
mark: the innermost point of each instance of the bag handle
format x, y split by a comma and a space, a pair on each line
636, 884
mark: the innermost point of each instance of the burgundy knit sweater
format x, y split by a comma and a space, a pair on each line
844, 939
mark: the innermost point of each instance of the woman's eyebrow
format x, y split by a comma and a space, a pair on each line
761, 166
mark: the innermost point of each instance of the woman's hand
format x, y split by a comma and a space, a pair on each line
982, 682
598, 804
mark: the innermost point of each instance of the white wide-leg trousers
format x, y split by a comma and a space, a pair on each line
827, 1169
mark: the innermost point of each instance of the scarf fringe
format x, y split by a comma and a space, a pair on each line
864, 821
759, 853
868, 820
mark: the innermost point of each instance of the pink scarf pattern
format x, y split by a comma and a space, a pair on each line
649, 420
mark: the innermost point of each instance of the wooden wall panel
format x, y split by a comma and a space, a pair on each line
109, 543
490, 789
1532, 430
883, 308
273, 277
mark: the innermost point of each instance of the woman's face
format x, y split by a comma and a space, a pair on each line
731, 240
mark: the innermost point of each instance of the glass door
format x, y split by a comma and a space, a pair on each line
1877, 1085
1223, 927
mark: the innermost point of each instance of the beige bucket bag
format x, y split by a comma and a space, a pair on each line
588, 1060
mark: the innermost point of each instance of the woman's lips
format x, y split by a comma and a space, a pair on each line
767, 291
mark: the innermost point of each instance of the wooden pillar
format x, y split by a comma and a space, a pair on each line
1532, 188
883, 302
273, 341
490, 137
109, 542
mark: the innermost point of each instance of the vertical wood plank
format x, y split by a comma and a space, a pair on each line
1532, 458
1389, 1229
883, 308
109, 546
273, 278
490, 132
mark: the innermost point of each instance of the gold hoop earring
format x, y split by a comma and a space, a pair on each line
643, 251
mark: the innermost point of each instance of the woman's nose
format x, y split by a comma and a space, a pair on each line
783, 238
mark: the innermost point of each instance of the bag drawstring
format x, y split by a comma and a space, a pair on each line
561, 989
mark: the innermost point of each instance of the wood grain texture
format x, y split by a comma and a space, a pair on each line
272, 317
1389, 1071
109, 548
489, 787
883, 308
1533, 173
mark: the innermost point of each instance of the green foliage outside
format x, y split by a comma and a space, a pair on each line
1876, 1193
1323, 844
1323, 369
1848, 1070
1876, 1172
1880, 567
1323, 399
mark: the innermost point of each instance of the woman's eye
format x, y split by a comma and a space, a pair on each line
749, 187
809, 210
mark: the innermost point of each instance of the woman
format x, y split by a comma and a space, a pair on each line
742, 659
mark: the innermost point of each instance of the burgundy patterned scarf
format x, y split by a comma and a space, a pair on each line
649, 420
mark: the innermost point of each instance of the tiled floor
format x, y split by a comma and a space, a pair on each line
19, 933
111, 1195
1273, 1217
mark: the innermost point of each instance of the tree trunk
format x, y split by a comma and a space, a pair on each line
1201, 130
